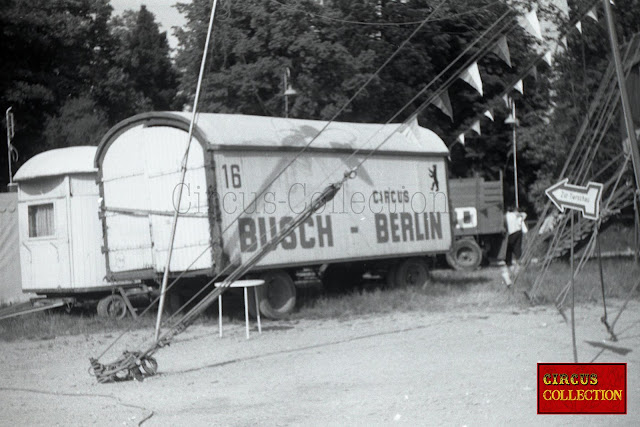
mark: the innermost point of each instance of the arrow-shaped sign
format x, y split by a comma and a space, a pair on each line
583, 199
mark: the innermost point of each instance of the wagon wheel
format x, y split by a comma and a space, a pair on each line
412, 272
112, 307
465, 255
277, 296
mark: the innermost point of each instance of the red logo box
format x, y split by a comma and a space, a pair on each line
582, 388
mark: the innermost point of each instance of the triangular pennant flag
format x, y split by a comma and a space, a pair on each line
611, 1
579, 26
592, 14
489, 114
548, 58
472, 76
518, 86
507, 101
502, 50
461, 138
534, 72
531, 24
407, 129
476, 127
563, 40
444, 104
509, 120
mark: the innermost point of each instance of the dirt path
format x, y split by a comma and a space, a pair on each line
415, 368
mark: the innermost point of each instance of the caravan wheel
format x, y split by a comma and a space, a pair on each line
277, 296
112, 307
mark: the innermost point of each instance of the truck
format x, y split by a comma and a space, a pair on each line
479, 227
247, 176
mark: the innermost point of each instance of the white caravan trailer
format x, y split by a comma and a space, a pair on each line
60, 233
391, 216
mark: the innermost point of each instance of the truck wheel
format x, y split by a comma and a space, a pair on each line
465, 255
112, 307
412, 272
277, 296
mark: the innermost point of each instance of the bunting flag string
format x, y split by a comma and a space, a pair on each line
501, 49
443, 102
531, 24
409, 129
475, 126
509, 119
472, 76
518, 86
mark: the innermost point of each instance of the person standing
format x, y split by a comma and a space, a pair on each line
516, 228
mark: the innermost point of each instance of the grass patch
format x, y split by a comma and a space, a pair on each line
48, 325
447, 291
620, 275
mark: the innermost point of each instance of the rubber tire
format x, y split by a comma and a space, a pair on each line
112, 307
465, 255
412, 272
277, 296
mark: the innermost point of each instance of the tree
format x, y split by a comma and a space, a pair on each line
50, 50
80, 122
577, 74
143, 55
332, 49
70, 72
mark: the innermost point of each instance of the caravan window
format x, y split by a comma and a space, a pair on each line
41, 220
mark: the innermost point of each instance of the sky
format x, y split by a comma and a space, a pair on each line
166, 15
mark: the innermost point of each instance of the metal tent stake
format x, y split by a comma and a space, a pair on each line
573, 301
515, 157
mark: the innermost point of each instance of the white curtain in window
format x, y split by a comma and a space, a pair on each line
41, 220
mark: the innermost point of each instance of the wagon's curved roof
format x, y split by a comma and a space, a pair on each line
244, 132
59, 161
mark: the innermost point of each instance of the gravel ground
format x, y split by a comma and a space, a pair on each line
417, 368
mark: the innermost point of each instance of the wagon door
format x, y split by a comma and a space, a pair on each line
164, 149
45, 245
125, 210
